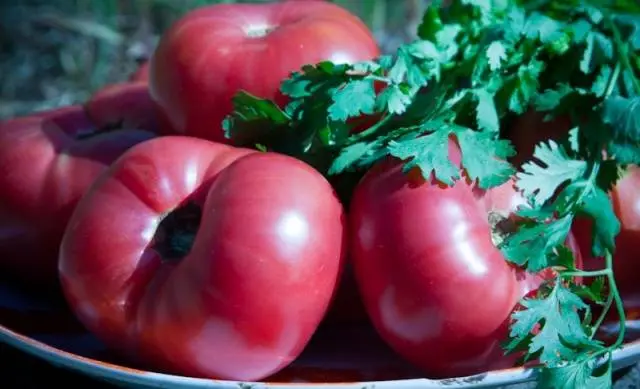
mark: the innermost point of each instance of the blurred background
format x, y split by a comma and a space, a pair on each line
57, 52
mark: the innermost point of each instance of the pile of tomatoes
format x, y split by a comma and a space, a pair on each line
205, 259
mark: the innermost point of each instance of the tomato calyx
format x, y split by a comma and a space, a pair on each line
177, 232
502, 225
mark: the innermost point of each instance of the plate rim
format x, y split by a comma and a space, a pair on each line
627, 355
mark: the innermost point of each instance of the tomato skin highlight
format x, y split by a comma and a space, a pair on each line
245, 300
47, 162
436, 288
213, 52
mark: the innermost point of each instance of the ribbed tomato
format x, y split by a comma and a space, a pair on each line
47, 162
203, 259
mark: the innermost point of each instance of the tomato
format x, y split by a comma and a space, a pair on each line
203, 259
141, 74
214, 51
625, 198
47, 161
437, 289
125, 106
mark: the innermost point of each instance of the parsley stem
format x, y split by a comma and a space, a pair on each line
613, 289
603, 314
613, 80
579, 273
621, 48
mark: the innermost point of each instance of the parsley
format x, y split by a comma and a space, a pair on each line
560, 336
476, 65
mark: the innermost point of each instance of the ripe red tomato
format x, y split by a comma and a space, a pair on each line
141, 74
122, 106
47, 161
213, 52
626, 205
204, 259
437, 289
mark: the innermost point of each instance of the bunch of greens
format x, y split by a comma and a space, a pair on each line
477, 64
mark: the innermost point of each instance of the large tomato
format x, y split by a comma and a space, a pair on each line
203, 259
437, 289
625, 197
214, 51
47, 161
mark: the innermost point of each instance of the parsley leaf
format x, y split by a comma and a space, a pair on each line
561, 332
520, 89
534, 245
599, 51
486, 113
351, 156
430, 153
416, 64
496, 53
251, 115
623, 114
595, 291
395, 99
597, 205
541, 26
484, 158
541, 179
623, 117
431, 24
550, 99
581, 374
352, 100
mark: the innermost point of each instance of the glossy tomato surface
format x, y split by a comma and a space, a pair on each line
244, 300
625, 198
213, 52
437, 289
47, 162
